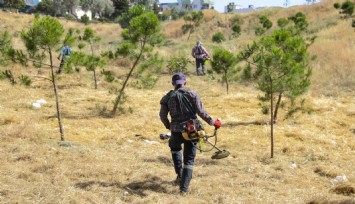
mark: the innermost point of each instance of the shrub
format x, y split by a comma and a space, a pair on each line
223, 63
85, 19
178, 64
259, 31
163, 17
282, 22
109, 54
108, 75
267, 24
236, 29
247, 73
218, 37
336, 5
25, 80
7, 74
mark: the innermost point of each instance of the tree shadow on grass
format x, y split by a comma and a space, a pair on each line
167, 161
150, 183
79, 117
257, 122
205, 162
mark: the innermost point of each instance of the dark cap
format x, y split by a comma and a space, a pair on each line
178, 78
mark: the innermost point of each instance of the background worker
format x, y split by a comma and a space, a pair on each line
201, 55
182, 110
65, 54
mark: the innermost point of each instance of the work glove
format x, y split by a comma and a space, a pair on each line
218, 123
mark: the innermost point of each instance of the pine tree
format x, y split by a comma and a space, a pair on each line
281, 63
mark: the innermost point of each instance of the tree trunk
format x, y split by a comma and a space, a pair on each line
272, 119
92, 64
227, 85
95, 78
119, 96
59, 116
277, 107
188, 37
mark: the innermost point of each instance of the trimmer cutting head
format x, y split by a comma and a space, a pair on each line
220, 154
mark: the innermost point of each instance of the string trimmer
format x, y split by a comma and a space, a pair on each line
204, 143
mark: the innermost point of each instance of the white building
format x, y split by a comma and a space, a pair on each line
234, 8
195, 5
239, 9
201, 4
79, 12
168, 6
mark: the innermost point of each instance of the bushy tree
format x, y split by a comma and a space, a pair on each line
121, 6
86, 4
51, 7
175, 14
142, 31
133, 12
347, 8
44, 35
16, 4
92, 61
218, 37
192, 21
5, 47
104, 8
223, 62
156, 8
266, 24
69, 5
300, 21
230, 7
281, 63
336, 5
6, 53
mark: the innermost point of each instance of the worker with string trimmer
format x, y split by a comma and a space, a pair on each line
184, 106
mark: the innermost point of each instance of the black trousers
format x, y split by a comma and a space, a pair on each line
189, 153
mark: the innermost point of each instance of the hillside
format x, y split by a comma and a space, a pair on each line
104, 161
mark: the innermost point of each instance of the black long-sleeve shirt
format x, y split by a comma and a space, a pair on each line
172, 107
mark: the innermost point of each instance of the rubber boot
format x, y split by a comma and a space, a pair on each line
186, 178
177, 160
203, 70
198, 72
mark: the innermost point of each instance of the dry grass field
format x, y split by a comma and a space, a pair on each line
104, 161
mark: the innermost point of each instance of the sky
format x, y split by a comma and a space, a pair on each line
219, 4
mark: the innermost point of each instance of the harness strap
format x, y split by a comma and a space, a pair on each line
183, 101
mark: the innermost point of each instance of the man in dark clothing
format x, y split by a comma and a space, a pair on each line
180, 112
65, 54
201, 55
